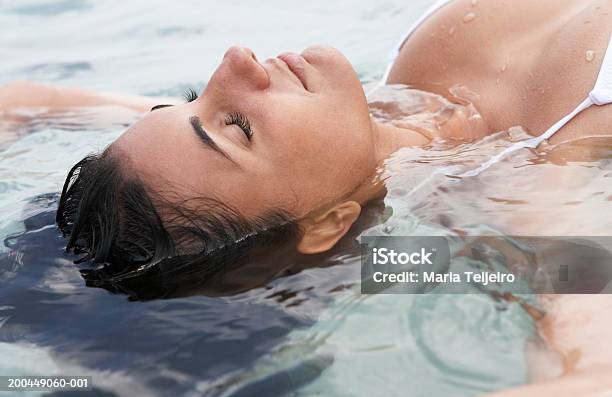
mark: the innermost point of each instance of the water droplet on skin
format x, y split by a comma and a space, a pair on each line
497, 81
474, 3
503, 69
451, 31
590, 55
469, 17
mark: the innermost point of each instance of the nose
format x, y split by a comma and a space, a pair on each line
244, 66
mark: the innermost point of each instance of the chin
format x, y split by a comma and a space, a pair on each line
333, 65
320, 54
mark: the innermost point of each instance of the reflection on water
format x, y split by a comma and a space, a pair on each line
555, 190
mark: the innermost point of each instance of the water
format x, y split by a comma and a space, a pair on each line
310, 333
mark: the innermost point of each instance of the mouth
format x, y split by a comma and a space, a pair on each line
295, 63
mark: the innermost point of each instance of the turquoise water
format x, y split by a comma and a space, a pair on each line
308, 334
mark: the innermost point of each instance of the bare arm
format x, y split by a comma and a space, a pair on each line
26, 94
578, 328
597, 383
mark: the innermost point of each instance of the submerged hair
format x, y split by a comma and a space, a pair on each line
110, 217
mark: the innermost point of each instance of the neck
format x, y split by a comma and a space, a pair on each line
387, 140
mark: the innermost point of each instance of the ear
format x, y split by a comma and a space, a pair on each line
323, 230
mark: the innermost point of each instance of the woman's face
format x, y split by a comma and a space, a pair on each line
311, 135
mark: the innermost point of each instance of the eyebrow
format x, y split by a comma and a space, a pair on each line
205, 138
202, 135
160, 106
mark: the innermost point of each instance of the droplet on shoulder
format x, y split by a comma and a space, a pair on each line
451, 31
590, 55
469, 17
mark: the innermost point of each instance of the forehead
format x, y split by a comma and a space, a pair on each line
162, 148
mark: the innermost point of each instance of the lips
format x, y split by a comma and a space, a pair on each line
295, 63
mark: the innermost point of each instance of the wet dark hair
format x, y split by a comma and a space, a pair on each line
111, 217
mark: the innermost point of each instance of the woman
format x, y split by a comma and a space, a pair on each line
285, 150
287, 144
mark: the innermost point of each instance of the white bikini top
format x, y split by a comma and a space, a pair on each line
600, 95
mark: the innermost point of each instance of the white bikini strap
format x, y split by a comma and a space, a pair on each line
530, 143
600, 95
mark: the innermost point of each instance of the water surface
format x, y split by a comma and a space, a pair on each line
310, 333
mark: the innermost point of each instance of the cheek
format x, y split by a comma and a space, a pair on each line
314, 144
316, 135
256, 188
323, 155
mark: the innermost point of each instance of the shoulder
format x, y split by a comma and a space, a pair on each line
445, 43
511, 53
464, 43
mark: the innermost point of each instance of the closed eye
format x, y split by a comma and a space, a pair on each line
189, 95
241, 121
